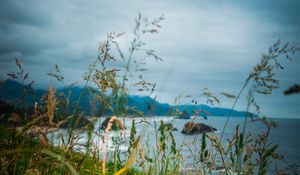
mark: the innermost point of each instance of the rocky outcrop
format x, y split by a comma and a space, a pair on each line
112, 123
79, 122
11, 116
184, 115
167, 126
192, 128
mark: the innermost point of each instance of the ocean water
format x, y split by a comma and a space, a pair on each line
286, 135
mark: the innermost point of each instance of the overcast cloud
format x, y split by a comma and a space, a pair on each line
211, 43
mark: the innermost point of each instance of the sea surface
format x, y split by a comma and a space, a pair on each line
286, 135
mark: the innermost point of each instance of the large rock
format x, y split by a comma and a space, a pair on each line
167, 126
116, 125
192, 128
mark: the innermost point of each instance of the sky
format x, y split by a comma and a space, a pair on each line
204, 44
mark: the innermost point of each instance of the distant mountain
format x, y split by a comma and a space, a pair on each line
10, 91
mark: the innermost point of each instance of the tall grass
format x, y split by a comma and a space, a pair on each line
36, 149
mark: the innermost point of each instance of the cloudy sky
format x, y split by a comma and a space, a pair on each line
211, 43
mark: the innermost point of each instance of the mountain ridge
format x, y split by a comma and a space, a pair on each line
11, 90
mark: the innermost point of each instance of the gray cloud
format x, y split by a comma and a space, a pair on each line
210, 44
21, 13
283, 12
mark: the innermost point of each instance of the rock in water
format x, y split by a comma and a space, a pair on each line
116, 125
192, 128
184, 115
167, 126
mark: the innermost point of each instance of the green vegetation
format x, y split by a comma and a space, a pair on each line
34, 148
